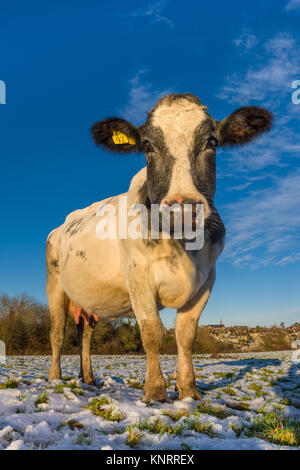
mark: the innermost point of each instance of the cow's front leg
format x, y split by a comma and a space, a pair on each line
144, 306
186, 330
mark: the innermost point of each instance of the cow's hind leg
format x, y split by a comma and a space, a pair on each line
85, 355
58, 309
186, 329
80, 329
144, 306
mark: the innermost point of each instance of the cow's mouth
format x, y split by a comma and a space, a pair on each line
181, 218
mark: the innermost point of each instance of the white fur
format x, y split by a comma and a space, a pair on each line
178, 122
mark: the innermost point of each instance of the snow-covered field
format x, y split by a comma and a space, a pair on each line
249, 401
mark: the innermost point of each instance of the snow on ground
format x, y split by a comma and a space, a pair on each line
240, 394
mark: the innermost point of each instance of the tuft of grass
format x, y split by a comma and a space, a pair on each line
225, 375
134, 436
202, 428
185, 446
73, 424
160, 427
98, 408
85, 438
135, 384
237, 428
27, 382
59, 388
21, 409
176, 416
74, 388
257, 389
282, 436
42, 398
10, 383
286, 401
277, 429
241, 406
229, 391
217, 411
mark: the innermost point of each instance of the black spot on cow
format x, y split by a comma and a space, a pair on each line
74, 227
81, 254
159, 163
54, 263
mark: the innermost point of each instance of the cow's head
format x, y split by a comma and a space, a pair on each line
180, 140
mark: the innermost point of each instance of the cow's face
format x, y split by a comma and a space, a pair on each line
179, 140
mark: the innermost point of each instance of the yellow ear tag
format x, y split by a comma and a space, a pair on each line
119, 138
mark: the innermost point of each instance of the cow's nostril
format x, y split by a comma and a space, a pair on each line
183, 199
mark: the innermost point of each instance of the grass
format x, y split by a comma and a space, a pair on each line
74, 388
286, 401
277, 429
158, 426
85, 438
175, 416
217, 411
42, 398
135, 384
229, 391
10, 383
98, 408
202, 428
73, 424
240, 406
237, 428
257, 389
134, 436
225, 375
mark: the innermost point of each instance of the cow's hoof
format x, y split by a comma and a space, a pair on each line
54, 374
89, 380
156, 394
188, 392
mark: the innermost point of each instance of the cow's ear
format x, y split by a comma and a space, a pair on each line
117, 135
244, 125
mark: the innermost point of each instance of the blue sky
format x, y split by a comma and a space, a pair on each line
67, 64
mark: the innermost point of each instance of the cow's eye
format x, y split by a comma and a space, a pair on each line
212, 142
147, 147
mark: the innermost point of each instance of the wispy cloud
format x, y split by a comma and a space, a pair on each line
274, 70
264, 226
153, 11
246, 41
293, 5
142, 97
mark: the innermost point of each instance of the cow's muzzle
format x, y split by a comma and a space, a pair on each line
183, 210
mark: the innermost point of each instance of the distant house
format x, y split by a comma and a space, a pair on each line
220, 325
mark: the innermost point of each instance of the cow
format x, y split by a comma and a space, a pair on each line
124, 276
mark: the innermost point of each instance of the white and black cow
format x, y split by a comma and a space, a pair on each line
118, 277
